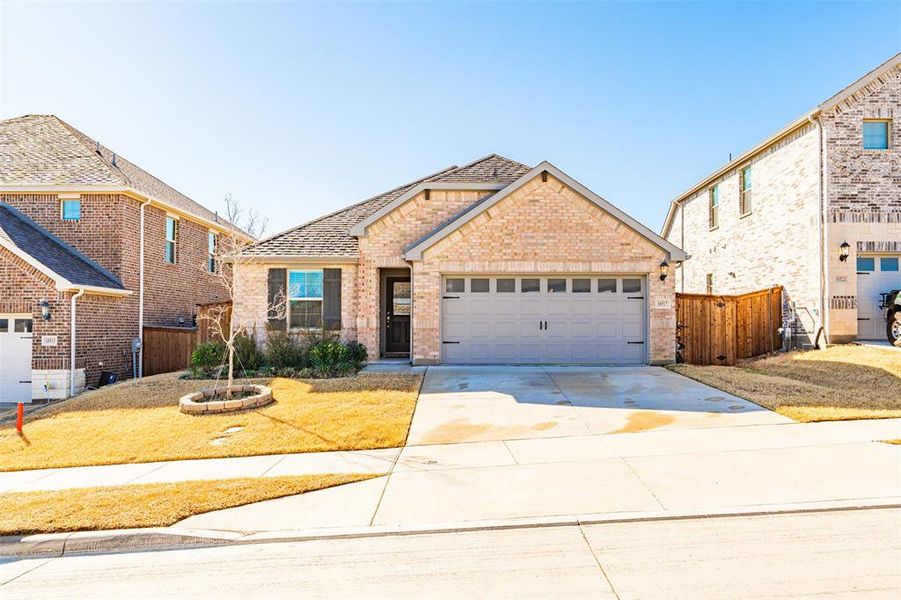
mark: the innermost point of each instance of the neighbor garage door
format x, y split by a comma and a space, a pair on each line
875, 275
543, 319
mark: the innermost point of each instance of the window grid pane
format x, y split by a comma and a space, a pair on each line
888, 263
556, 286
530, 285
455, 286
875, 135
22, 326
580, 286
631, 286
866, 264
305, 284
478, 285
506, 285
607, 286
305, 314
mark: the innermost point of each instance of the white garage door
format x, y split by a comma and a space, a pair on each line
543, 319
15, 358
875, 275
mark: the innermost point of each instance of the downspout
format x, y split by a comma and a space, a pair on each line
72, 341
140, 365
412, 310
821, 225
682, 245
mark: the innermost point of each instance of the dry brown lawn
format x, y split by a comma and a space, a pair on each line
839, 383
139, 421
148, 505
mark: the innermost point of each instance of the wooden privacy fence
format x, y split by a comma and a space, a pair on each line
719, 330
168, 349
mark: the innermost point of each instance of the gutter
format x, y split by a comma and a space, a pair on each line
140, 370
79, 294
821, 237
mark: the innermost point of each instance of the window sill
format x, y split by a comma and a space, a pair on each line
714, 228
747, 214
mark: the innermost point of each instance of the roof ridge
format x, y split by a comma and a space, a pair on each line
79, 137
483, 159
65, 245
356, 204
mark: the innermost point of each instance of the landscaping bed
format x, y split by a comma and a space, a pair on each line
140, 421
146, 505
838, 383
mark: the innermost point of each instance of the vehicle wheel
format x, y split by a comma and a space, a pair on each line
893, 329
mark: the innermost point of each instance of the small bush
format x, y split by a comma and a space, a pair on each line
357, 354
208, 355
247, 356
330, 357
283, 350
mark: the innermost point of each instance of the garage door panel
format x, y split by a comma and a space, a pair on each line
540, 327
876, 274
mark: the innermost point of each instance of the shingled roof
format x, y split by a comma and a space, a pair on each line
329, 236
43, 150
69, 267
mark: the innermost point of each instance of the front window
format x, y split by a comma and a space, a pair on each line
875, 135
305, 299
211, 252
714, 207
745, 191
71, 210
171, 238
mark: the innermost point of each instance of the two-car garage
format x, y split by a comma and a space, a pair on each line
584, 318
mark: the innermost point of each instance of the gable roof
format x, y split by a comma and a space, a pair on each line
333, 236
68, 267
888, 68
415, 250
43, 151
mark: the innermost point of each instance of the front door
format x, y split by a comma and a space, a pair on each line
398, 307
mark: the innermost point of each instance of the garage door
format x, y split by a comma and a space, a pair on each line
543, 319
15, 358
875, 275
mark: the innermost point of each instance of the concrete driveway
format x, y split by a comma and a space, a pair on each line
467, 404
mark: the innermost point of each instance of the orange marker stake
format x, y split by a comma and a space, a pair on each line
20, 416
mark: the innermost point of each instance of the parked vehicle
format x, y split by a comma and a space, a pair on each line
891, 308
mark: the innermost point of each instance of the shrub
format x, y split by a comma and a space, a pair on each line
358, 354
330, 357
283, 350
247, 355
208, 355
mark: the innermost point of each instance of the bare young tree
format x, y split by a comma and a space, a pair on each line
242, 231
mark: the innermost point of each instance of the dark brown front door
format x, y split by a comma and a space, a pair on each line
398, 306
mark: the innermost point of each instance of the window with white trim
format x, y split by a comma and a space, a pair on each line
305, 299
714, 217
70, 209
211, 252
171, 239
876, 134
744, 191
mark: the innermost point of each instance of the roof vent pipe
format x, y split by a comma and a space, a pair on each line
114, 160
97, 149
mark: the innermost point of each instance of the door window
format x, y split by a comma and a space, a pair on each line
530, 285
22, 325
888, 263
4, 325
631, 286
506, 285
556, 286
455, 286
581, 286
478, 285
866, 264
607, 286
401, 301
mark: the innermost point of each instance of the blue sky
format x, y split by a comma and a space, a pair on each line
299, 109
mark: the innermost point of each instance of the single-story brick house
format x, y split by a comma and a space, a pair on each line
93, 249
491, 262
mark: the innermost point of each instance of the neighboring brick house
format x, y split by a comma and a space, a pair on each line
781, 212
71, 214
491, 262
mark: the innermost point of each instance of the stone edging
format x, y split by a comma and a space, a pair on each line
193, 404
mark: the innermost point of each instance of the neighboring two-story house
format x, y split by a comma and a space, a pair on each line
491, 262
91, 249
815, 208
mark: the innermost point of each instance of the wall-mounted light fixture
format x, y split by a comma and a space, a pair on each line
843, 251
45, 309
664, 270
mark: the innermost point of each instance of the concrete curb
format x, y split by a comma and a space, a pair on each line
172, 538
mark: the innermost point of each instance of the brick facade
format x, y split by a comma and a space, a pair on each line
778, 243
109, 233
543, 227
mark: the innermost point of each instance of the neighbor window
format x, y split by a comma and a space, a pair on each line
581, 286
714, 219
556, 285
478, 285
211, 252
607, 285
888, 263
865, 264
171, 238
530, 285
506, 285
455, 286
744, 198
875, 135
71, 209
305, 299
709, 283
